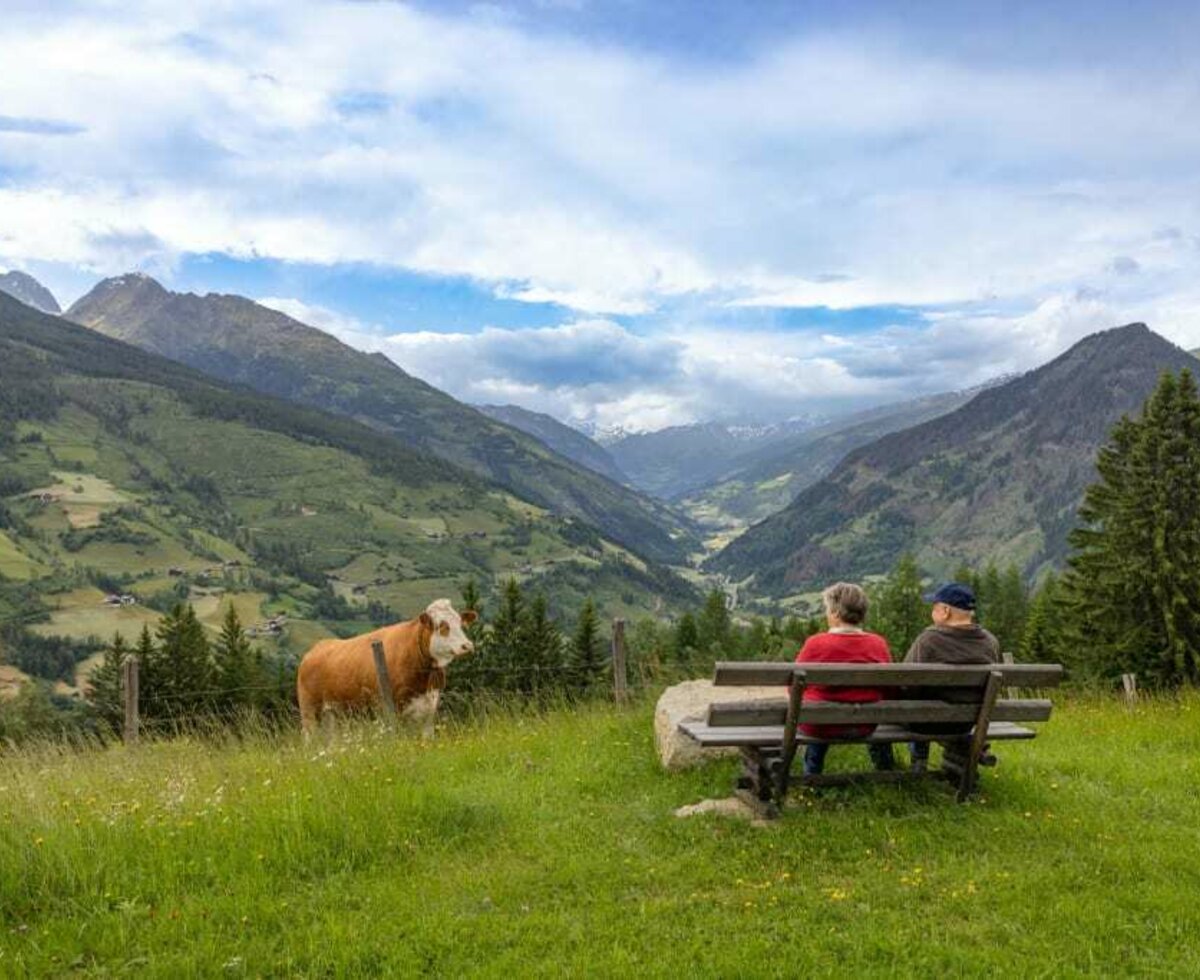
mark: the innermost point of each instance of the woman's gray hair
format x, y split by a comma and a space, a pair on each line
846, 601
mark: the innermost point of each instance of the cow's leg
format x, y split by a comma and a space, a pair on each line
310, 714
422, 710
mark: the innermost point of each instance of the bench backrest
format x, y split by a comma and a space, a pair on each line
904, 705
768, 673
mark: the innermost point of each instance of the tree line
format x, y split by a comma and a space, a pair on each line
182, 675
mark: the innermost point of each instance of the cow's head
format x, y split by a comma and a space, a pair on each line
446, 637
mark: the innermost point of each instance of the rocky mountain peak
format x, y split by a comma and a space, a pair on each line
22, 286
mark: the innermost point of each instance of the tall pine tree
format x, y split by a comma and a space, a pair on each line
1041, 639
1132, 591
586, 662
183, 664
506, 666
104, 683
542, 645
897, 610
237, 665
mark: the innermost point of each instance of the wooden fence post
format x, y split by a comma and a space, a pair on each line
129, 693
1012, 692
1129, 689
385, 682
620, 677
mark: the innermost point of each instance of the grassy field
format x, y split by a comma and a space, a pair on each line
546, 846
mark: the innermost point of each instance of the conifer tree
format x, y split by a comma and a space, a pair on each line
543, 648
184, 663
1132, 590
150, 675
586, 660
237, 665
1007, 608
714, 624
1041, 638
687, 639
506, 661
897, 610
104, 683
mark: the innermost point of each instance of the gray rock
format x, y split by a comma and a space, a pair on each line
689, 701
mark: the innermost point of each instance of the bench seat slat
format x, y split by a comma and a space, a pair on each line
754, 713
740, 673
772, 735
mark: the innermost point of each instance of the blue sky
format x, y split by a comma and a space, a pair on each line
628, 212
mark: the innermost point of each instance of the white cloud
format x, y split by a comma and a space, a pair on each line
605, 179
836, 171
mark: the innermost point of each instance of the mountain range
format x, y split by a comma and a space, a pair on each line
562, 438
677, 460
766, 478
991, 475
998, 479
235, 339
122, 471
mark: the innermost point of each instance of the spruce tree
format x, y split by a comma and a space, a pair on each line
104, 683
184, 661
687, 639
151, 704
506, 662
1007, 609
897, 610
1041, 639
1132, 591
237, 665
586, 660
714, 625
542, 644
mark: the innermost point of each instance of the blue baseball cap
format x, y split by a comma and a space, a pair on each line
953, 594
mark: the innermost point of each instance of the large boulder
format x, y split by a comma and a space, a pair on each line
689, 701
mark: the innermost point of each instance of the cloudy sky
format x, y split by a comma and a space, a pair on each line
630, 212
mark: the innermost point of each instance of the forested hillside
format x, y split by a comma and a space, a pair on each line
563, 439
232, 338
123, 473
1000, 479
766, 479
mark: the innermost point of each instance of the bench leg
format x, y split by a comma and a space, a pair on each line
756, 785
783, 770
970, 767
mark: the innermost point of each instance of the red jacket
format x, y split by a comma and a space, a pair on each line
842, 648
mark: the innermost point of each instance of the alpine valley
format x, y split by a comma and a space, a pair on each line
164, 446
124, 473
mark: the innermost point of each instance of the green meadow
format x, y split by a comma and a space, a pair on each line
545, 845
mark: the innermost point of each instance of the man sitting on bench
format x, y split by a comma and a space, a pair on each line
954, 638
845, 642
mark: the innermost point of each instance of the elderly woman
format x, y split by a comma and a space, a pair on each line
845, 642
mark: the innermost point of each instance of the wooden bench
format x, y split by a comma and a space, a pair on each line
766, 732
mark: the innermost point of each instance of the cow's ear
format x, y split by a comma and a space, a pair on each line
469, 616
427, 620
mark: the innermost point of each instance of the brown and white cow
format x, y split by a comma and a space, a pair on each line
342, 672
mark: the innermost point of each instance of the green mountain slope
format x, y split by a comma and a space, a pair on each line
232, 338
998, 479
768, 478
564, 440
121, 471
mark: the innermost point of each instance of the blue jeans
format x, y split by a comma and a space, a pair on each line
814, 757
